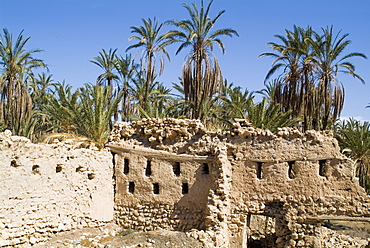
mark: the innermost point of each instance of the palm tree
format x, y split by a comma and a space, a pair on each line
294, 88
97, 110
236, 103
84, 112
328, 50
269, 116
39, 88
309, 86
201, 73
126, 69
160, 102
153, 45
106, 61
354, 139
61, 108
40, 91
17, 64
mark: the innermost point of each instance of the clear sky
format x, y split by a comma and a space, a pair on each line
72, 32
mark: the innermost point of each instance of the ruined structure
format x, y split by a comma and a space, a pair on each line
46, 189
245, 182
224, 188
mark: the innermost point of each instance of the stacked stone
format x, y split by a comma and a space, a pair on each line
160, 216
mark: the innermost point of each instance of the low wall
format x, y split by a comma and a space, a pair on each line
51, 188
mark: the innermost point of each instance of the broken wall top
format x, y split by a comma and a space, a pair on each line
184, 136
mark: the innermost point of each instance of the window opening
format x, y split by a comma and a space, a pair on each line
176, 168
113, 158
205, 170
148, 169
259, 170
185, 188
36, 169
291, 171
131, 187
126, 168
156, 188
322, 167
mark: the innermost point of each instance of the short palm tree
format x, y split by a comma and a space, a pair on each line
154, 51
61, 107
201, 73
17, 69
235, 102
354, 139
269, 116
85, 112
97, 110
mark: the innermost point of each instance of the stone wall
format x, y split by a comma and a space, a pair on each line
284, 180
155, 193
51, 188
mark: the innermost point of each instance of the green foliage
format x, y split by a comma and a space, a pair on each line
310, 63
154, 49
235, 102
86, 112
16, 64
201, 74
266, 115
354, 139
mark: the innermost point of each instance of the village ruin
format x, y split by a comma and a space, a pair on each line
224, 188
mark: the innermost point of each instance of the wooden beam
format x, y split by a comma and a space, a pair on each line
318, 219
292, 159
164, 155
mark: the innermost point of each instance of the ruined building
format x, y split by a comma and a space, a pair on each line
224, 188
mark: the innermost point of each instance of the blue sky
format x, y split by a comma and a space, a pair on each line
72, 32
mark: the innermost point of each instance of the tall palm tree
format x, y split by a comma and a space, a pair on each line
330, 60
201, 73
294, 88
106, 61
17, 69
309, 86
126, 69
153, 46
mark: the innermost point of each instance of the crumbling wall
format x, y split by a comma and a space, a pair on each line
283, 180
226, 188
51, 188
152, 193
157, 185
291, 176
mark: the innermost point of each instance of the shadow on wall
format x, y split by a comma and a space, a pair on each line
194, 213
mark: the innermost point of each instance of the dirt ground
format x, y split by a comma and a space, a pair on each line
112, 236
